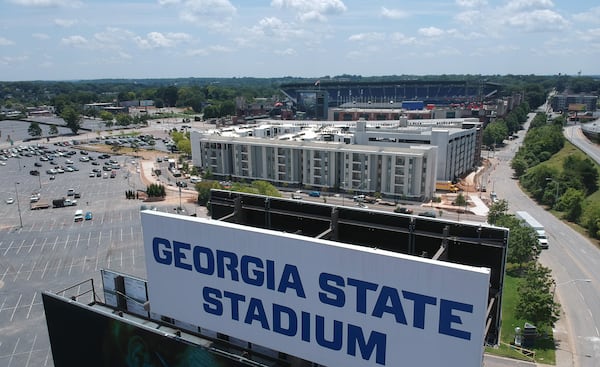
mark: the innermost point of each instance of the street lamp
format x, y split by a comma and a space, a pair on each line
18, 204
557, 187
568, 282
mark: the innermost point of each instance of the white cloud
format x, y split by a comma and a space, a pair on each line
310, 10
160, 40
537, 21
209, 50
590, 16
5, 42
112, 36
393, 13
368, 37
469, 17
46, 3
76, 41
274, 27
211, 13
40, 36
431, 32
402, 39
7, 60
521, 5
65, 22
590, 35
286, 52
471, 3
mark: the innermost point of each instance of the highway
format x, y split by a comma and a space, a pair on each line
573, 258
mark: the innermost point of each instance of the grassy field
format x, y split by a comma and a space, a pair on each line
543, 348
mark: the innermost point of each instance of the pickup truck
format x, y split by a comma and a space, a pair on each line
62, 202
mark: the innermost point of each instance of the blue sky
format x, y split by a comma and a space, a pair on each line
70, 39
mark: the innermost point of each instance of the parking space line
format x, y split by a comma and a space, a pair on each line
83, 264
48, 356
14, 350
32, 245
31, 351
66, 242
20, 246
15, 310
121, 234
77, 243
55, 243
17, 273
121, 259
3, 303
96, 266
4, 275
45, 268
58, 267
100, 238
32, 270
8, 248
32, 227
43, 244
89, 238
133, 256
71, 266
31, 305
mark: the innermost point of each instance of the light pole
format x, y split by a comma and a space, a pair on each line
557, 187
18, 205
568, 282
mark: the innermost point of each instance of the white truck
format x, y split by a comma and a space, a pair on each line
533, 223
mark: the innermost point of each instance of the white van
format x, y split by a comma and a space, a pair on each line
78, 216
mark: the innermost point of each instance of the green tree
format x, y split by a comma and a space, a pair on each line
460, 200
185, 146
495, 133
34, 129
496, 211
72, 118
590, 218
123, 119
536, 297
523, 246
53, 130
204, 188
519, 165
107, 118
571, 202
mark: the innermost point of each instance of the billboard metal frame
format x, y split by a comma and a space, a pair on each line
464, 243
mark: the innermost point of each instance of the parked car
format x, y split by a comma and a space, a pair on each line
34, 172
10, 200
429, 214
403, 210
37, 164
88, 216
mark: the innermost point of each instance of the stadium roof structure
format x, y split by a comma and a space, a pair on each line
441, 92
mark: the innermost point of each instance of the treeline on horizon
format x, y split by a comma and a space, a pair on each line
197, 93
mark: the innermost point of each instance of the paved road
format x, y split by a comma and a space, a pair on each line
572, 258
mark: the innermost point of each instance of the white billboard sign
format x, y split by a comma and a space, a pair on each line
326, 302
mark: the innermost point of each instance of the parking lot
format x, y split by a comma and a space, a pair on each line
46, 249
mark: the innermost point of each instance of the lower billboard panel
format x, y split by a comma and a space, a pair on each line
83, 336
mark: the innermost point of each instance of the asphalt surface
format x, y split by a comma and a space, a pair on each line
51, 252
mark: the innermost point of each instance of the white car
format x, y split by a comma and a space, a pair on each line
92, 174
68, 161
69, 169
10, 200
60, 170
84, 159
